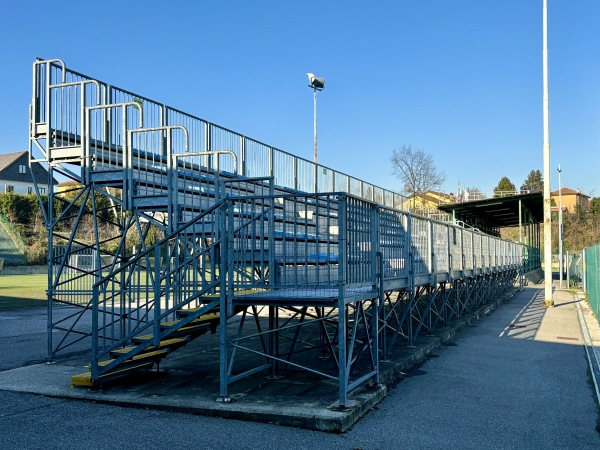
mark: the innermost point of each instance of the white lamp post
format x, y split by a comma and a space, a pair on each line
560, 232
548, 300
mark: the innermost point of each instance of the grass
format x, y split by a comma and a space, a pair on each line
22, 291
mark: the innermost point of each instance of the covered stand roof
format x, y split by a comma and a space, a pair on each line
491, 214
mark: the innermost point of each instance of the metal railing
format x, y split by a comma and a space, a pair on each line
324, 240
467, 196
61, 96
276, 243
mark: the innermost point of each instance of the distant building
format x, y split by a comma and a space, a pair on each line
569, 199
427, 204
15, 175
66, 186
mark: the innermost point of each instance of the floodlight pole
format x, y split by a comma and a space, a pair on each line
315, 125
316, 84
560, 232
548, 301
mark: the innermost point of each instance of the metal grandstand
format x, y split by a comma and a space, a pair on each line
225, 226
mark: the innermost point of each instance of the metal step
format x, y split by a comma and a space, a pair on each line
63, 153
193, 331
154, 355
167, 344
113, 178
85, 379
151, 203
138, 362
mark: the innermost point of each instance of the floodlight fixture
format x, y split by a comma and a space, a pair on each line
315, 82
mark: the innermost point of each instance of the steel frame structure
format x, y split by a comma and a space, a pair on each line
236, 229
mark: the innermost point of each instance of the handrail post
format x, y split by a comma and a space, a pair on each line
343, 239
95, 301
462, 253
157, 299
127, 156
375, 315
374, 219
242, 170
342, 269
228, 248
224, 227
431, 250
521, 266
411, 273
450, 244
86, 157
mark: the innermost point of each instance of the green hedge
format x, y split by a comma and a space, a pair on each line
19, 208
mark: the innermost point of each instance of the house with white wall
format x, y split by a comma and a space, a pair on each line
15, 175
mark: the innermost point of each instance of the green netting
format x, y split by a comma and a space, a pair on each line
12, 248
592, 277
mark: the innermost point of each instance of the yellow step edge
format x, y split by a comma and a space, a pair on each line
192, 326
165, 343
124, 370
204, 318
145, 337
83, 380
137, 357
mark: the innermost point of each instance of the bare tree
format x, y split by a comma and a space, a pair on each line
416, 170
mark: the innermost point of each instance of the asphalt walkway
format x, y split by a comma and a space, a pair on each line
517, 378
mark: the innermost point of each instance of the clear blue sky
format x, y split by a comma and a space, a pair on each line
460, 79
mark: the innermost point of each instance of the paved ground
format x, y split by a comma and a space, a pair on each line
518, 379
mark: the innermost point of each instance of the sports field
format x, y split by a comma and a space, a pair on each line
20, 291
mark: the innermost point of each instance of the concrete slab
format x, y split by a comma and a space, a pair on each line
188, 381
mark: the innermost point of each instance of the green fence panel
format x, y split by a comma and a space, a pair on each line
592, 276
12, 249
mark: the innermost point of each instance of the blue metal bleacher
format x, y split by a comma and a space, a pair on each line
236, 225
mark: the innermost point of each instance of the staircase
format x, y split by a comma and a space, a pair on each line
121, 361
168, 295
